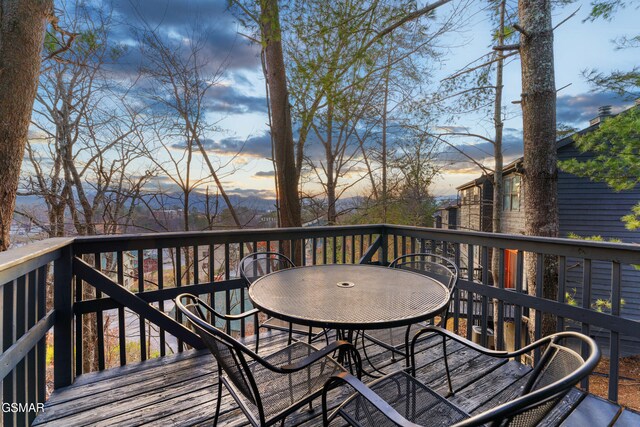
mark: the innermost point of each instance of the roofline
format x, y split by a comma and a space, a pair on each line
561, 143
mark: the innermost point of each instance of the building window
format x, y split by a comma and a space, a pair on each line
511, 200
471, 196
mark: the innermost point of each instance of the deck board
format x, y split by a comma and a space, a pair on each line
592, 411
181, 389
628, 419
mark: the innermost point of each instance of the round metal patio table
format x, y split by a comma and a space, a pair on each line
349, 296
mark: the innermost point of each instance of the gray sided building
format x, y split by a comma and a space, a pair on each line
587, 209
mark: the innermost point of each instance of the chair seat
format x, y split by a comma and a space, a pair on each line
280, 391
281, 325
394, 337
412, 399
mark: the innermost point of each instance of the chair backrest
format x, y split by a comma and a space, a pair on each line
436, 266
229, 352
432, 265
257, 264
558, 369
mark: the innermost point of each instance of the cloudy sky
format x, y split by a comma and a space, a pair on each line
238, 103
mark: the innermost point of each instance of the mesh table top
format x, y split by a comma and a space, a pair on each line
349, 296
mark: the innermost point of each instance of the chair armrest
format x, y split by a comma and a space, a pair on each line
207, 307
368, 394
322, 353
504, 354
448, 334
239, 316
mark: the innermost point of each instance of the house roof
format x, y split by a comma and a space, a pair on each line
447, 204
516, 165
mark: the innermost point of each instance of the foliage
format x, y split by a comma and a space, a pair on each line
600, 305
632, 220
605, 9
598, 238
616, 148
592, 238
625, 83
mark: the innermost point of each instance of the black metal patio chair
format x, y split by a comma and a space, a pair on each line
400, 399
267, 389
257, 264
432, 265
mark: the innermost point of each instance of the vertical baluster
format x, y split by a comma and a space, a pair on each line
499, 322
8, 383
41, 353
314, 255
293, 247
178, 282
99, 318
304, 243
538, 313
344, 249
227, 293
334, 257
484, 315
80, 319
562, 289
324, 250
212, 276
242, 297
403, 240
518, 309
122, 342
141, 322
456, 296
255, 317
32, 380
353, 249
196, 268
395, 246
20, 395
586, 303
160, 270
614, 338
470, 304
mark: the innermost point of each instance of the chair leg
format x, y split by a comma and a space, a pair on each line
290, 340
446, 365
219, 399
407, 360
257, 338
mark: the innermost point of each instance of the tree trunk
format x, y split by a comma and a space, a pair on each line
385, 105
498, 190
539, 134
281, 129
22, 25
331, 175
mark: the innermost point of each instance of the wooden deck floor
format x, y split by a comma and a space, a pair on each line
179, 390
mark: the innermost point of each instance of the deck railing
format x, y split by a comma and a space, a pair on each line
108, 299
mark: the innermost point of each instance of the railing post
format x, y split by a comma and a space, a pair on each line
63, 328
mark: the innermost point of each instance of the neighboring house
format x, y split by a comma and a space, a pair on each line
446, 215
586, 208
